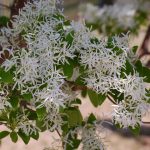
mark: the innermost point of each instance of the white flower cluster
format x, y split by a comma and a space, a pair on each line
104, 65
3, 99
38, 48
53, 120
91, 136
104, 73
118, 14
130, 111
31, 13
91, 139
25, 125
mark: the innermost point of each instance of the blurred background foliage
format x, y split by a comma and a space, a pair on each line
73, 9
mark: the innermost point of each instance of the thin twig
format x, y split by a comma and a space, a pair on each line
145, 122
60, 137
111, 99
25, 105
58, 132
76, 87
3, 123
80, 87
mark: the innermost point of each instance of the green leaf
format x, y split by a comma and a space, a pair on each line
91, 119
65, 126
69, 38
6, 77
24, 137
110, 42
43, 86
128, 69
143, 71
40, 125
74, 144
35, 135
41, 112
14, 101
135, 130
65, 129
12, 116
117, 96
3, 116
32, 115
67, 22
74, 116
14, 137
117, 125
68, 69
27, 96
76, 101
84, 93
96, 99
3, 20
134, 49
79, 81
58, 16
3, 134
117, 50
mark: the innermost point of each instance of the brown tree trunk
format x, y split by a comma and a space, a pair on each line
18, 4
144, 50
144, 47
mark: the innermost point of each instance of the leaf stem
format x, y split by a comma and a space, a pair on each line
60, 137
111, 100
58, 132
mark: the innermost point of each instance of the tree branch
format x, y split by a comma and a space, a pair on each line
144, 47
76, 87
146, 122
58, 132
111, 100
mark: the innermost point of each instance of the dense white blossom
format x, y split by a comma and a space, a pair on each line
91, 135
38, 48
41, 50
91, 139
52, 119
3, 100
133, 86
4, 103
129, 113
104, 64
25, 125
